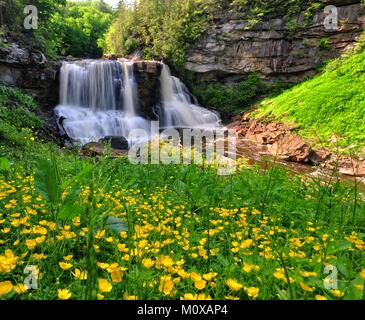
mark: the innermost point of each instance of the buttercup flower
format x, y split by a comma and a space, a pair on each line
234, 285
5, 288
105, 286
64, 294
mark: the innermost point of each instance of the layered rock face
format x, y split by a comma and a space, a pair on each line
30, 71
229, 51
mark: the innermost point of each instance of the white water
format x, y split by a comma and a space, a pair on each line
130, 100
178, 109
99, 99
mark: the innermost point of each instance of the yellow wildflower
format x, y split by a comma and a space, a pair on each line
306, 274
5, 288
20, 288
232, 297
362, 274
68, 258
200, 284
78, 274
234, 285
252, 292
103, 265
165, 261
65, 265
305, 287
337, 293
126, 296
148, 263
64, 294
104, 285
210, 276
30, 243
166, 285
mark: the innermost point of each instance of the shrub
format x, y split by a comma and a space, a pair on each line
18, 109
231, 99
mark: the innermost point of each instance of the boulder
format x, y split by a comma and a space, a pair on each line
95, 149
92, 149
351, 167
291, 148
320, 156
116, 143
266, 134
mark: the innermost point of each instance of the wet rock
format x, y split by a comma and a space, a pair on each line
95, 149
116, 143
320, 156
291, 148
147, 75
110, 56
92, 149
351, 167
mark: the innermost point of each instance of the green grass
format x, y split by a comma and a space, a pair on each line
331, 103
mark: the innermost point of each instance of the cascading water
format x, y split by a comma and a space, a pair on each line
179, 108
99, 99
130, 100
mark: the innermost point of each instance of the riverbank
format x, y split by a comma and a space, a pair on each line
281, 141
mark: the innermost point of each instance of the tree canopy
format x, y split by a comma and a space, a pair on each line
64, 27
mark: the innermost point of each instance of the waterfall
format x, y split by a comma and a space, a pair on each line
99, 99
130, 94
179, 107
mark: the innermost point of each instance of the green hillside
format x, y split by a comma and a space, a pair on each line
331, 103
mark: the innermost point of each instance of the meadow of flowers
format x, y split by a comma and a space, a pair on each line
108, 234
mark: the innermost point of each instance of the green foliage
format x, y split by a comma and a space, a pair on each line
46, 36
331, 103
257, 10
47, 181
18, 109
324, 44
67, 28
82, 26
163, 29
230, 99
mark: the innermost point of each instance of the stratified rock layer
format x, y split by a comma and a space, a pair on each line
229, 51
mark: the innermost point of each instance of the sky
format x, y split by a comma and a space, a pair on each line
112, 3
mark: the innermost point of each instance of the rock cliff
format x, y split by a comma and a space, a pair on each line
29, 70
229, 50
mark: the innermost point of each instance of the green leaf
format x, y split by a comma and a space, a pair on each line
47, 181
4, 164
70, 210
338, 246
223, 260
